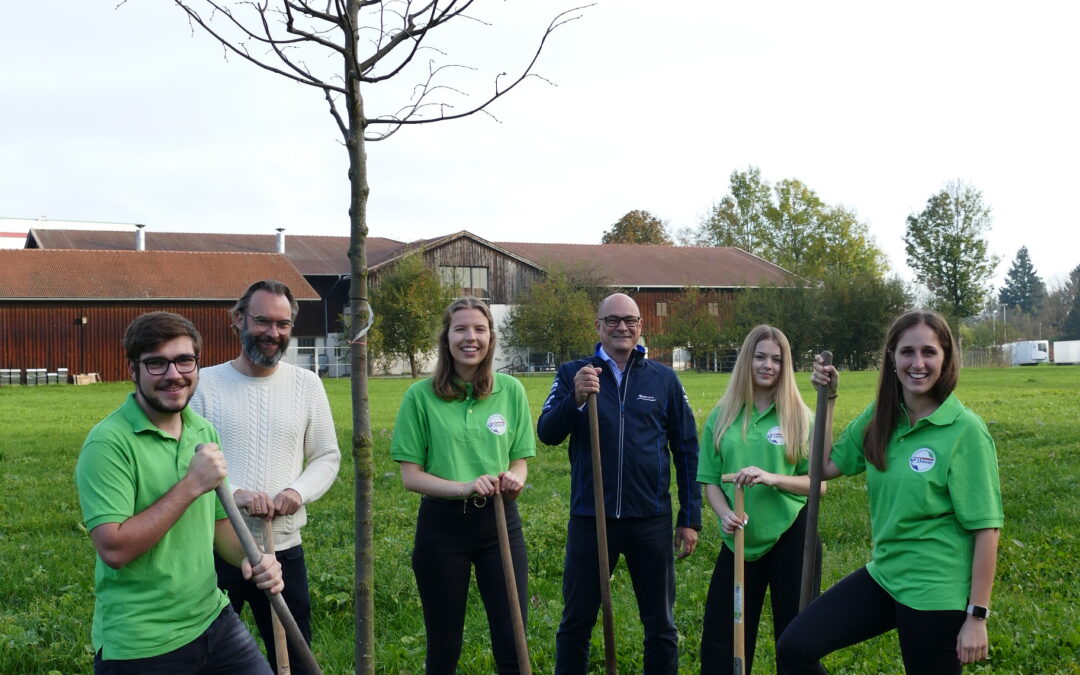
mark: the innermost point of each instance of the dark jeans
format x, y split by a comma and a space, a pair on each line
779, 570
225, 648
647, 545
857, 609
295, 594
452, 537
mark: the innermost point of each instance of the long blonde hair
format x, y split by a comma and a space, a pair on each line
790, 407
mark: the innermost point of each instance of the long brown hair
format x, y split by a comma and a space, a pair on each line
448, 386
790, 408
890, 394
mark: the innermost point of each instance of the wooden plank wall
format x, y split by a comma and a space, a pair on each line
507, 276
51, 335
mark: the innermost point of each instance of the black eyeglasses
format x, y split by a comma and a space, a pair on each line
614, 321
264, 323
157, 365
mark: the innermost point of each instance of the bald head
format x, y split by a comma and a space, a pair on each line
618, 303
618, 323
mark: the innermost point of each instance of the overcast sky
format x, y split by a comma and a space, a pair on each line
124, 114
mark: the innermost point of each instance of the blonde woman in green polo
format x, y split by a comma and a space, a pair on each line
461, 437
758, 431
935, 514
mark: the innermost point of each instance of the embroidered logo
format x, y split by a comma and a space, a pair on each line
922, 460
643, 397
775, 436
496, 424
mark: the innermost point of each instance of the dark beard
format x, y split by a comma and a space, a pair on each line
154, 402
251, 348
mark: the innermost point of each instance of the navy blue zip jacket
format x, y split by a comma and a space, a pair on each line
645, 424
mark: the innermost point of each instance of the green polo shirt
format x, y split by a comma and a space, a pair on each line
771, 510
168, 596
460, 440
940, 484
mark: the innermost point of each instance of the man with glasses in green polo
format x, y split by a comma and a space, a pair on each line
146, 477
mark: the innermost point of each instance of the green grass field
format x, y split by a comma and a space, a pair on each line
46, 559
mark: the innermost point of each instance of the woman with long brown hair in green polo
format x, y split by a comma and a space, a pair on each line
461, 437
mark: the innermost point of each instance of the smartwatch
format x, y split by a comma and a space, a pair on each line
978, 612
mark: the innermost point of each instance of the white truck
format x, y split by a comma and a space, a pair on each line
1028, 352
1066, 352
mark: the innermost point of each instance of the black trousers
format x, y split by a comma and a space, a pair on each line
857, 609
295, 595
452, 537
779, 570
647, 545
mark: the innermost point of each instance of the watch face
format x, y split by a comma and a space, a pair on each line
978, 612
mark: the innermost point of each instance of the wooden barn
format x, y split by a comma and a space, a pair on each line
655, 276
69, 308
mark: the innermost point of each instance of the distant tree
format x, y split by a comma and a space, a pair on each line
1058, 301
1023, 286
740, 218
692, 326
789, 225
1071, 329
554, 315
792, 310
638, 227
847, 314
408, 304
947, 249
855, 313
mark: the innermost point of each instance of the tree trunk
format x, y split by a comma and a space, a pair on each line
363, 464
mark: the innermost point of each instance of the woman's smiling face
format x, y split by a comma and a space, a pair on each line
918, 357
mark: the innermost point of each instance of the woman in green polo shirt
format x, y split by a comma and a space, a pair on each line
758, 431
461, 437
935, 513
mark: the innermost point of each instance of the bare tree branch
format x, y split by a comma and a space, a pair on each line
560, 20
240, 49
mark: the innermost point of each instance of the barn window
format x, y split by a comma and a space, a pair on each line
714, 308
661, 309
471, 280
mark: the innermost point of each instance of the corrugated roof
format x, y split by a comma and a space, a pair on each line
631, 265
32, 274
314, 255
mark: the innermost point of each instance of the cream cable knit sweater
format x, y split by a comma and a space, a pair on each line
276, 433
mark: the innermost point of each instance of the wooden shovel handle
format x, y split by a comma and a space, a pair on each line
281, 647
524, 665
601, 538
251, 550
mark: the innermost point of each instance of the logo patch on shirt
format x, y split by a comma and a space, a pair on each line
922, 460
496, 424
775, 436
643, 397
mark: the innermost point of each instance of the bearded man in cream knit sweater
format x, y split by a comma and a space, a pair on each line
279, 440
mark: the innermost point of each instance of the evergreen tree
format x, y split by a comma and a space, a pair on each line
1072, 320
1023, 286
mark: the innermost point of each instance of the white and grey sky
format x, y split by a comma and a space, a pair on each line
124, 114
